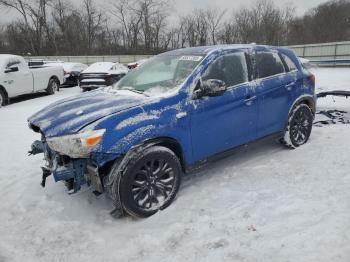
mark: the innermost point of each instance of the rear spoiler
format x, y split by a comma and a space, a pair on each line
334, 93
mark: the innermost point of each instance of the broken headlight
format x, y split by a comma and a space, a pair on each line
78, 145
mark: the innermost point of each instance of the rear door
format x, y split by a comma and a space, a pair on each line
272, 91
220, 123
293, 80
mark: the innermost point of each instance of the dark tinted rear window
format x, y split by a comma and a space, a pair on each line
269, 64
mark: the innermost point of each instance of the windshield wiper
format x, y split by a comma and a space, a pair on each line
134, 90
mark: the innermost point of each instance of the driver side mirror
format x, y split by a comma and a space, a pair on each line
11, 69
210, 88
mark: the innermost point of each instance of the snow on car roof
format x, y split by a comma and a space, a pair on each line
4, 58
203, 50
104, 67
119, 69
99, 67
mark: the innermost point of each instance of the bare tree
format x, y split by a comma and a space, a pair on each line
263, 23
120, 10
328, 22
228, 34
142, 26
214, 18
93, 20
21, 6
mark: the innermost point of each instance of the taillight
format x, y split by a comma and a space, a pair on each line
108, 79
311, 77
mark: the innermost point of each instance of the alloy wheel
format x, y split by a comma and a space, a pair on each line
153, 183
300, 128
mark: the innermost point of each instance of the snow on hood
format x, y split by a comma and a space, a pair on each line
106, 67
70, 115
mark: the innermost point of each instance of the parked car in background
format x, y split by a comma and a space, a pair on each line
16, 78
71, 71
101, 74
180, 109
136, 64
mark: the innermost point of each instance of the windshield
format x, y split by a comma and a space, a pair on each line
159, 74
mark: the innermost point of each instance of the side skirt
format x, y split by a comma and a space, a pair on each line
199, 165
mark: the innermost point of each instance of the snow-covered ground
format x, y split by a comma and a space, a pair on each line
264, 204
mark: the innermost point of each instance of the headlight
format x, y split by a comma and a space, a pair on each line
77, 145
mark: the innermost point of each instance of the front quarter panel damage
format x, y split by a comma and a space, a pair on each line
154, 120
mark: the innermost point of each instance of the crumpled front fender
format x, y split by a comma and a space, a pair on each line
73, 171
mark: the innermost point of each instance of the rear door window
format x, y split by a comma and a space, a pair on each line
269, 64
230, 68
289, 63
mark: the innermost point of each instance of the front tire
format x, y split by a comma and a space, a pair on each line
2, 98
299, 127
150, 181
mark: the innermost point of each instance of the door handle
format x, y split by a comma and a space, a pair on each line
9, 82
290, 86
249, 100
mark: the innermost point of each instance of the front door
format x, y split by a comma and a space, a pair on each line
221, 123
19, 82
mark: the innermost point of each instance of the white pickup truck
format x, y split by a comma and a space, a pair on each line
16, 78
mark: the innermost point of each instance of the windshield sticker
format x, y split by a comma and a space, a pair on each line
191, 58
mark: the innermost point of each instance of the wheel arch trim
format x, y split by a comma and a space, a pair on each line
55, 78
5, 91
167, 142
310, 101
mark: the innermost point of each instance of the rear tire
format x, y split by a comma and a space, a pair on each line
149, 182
52, 87
299, 127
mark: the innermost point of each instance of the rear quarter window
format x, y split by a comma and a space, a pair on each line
291, 66
269, 64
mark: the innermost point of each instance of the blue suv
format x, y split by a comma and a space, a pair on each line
134, 140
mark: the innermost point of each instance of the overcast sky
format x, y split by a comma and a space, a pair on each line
185, 6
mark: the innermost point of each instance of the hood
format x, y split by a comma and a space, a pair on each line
70, 115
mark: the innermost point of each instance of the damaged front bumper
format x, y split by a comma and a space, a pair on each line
73, 172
